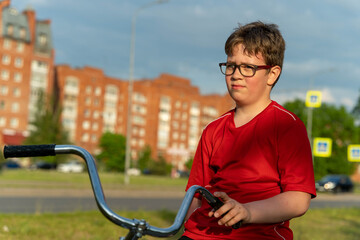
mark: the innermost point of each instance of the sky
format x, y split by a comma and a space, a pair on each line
186, 38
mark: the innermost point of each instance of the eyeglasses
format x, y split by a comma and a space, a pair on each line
247, 70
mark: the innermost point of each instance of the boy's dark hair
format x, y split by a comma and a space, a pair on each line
258, 37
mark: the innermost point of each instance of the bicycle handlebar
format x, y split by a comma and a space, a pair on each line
133, 225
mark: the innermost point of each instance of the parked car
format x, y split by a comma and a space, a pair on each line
10, 164
43, 165
134, 172
335, 183
73, 166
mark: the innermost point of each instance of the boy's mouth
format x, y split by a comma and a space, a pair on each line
237, 86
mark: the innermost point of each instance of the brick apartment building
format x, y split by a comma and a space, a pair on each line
26, 66
168, 113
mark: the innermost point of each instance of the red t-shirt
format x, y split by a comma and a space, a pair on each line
268, 155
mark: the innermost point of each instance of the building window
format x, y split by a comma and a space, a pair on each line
20, 46
2, 121
10, 29
139, 120
96, 114
16, 92
7, 43
85, 137
88, 101
138, 97
19, 62
15, 107
2, 105
6, 59
17, 77
88, 89
86, 125
94, 138
42, 39
22, 33
5, 75
4, 90
111, 90
142, 132
95, 126
14, 122
97, 91
87, 113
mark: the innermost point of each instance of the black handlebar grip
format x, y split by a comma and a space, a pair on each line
216, 203
29, 150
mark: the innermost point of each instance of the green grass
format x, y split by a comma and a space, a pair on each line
78, 225
51, 179
320, 224
317, 224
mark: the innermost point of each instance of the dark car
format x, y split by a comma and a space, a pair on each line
11, 164
335, 183
43, 165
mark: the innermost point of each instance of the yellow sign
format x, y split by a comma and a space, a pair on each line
322, 147
313, 99
354, 153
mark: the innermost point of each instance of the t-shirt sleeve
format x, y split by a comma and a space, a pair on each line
295, 162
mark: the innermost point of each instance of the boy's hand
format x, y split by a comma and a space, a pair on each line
234, 210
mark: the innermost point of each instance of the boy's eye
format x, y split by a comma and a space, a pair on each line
246, 66
230, 66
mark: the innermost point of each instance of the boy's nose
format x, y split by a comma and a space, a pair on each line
237, 74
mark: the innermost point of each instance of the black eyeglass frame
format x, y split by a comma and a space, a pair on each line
255, 68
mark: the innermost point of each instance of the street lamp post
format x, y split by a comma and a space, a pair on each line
130, 87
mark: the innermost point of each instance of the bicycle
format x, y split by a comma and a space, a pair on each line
137, 228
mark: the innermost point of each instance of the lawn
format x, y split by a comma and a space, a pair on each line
317, 224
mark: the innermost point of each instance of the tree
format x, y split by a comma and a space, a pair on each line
46, 127
113, 147
154, 166
160, 167
144, 159
189, 163
332, 122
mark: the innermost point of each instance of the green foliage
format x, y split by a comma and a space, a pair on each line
145, 158
160, 167
154, 166
332, 122
113, 147
46, 127
189, 163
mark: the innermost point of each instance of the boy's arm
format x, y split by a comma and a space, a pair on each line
279, 208
195, 204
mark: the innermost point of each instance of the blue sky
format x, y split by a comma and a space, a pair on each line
186, 38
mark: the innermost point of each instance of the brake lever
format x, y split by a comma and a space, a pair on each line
216, 203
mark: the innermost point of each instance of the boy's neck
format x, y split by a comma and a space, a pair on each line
245, 113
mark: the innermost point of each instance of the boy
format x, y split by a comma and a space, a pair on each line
256, 157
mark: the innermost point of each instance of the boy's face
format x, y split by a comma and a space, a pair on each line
249, 90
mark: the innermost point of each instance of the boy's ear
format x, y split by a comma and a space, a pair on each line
273, 75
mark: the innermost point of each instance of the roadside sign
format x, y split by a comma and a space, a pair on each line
313, 99
354, 153
322, 147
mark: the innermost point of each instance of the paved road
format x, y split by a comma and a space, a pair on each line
39, 204
68, 204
